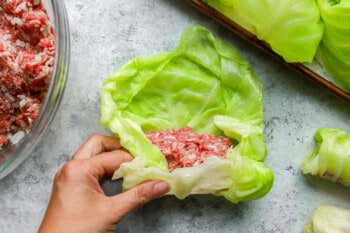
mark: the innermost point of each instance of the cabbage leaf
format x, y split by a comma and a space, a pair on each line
328, 219
331, 158
334, 50
292, 28
206, 84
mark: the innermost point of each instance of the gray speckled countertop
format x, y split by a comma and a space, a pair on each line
105, 34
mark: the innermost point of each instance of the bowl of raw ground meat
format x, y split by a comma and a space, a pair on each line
34, 59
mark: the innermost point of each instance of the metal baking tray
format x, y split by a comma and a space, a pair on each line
312, 71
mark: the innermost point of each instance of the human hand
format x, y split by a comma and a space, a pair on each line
78, 203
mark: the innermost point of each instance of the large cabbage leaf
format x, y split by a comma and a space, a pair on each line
292, 28
334, 51
331, 158
238, 178
206, 84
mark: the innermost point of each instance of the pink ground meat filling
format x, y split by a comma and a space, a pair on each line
27, 47
186, 148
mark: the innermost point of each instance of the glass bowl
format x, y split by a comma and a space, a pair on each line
12, 155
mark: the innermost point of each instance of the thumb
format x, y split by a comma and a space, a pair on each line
138, 196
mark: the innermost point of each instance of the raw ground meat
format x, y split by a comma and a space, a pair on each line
27, 47
186, 148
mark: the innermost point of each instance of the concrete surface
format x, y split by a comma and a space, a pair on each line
105, 34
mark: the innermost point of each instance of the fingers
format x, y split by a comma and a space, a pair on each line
138, 196
97, 144
106, 163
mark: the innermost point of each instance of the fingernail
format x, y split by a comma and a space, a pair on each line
161, 188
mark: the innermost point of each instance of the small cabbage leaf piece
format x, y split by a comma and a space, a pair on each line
331, 158
334, 50
292, 28
329, 219
206, 84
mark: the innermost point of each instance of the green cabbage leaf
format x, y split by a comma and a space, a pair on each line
334, 50
206, 84
292, 28
331, 158
328, 219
